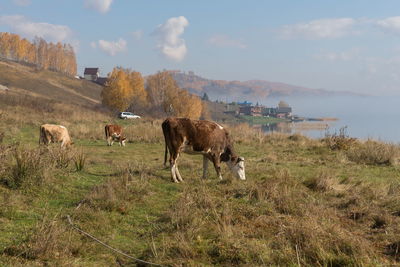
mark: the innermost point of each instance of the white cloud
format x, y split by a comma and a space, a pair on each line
50, 32
225, 41
169, 42
22, 2
391, 24
137, 34
319, 29
102, 6
111, 47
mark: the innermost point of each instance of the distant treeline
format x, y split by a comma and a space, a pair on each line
57, 57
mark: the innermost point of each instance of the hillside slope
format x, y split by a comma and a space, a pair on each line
51, 85
253, 90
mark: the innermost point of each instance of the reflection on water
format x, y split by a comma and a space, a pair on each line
311, 129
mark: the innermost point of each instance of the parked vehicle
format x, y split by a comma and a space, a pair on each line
128, 115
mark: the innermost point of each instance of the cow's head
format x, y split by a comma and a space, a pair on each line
236, 165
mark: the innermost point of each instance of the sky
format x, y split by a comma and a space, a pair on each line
340, 45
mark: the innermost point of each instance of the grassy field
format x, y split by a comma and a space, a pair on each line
333, 202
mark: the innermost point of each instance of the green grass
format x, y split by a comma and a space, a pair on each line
125, 196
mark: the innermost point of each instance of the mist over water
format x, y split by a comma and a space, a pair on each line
365, 116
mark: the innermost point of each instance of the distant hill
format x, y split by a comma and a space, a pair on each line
253, 90
24, 79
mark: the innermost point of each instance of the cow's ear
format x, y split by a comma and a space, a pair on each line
225, 157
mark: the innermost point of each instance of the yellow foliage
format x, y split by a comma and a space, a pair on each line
57, 57
123, 88
163, 92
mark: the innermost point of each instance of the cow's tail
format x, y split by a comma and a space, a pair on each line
165, 155
105, 130
165, 132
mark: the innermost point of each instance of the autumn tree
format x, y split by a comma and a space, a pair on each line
139, 99
165, 95
57, 57
123, 88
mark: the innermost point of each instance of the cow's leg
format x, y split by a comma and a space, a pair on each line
108, 141
217, 166
205, 166
178, 174
172, 164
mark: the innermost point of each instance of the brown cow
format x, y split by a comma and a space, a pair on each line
50, 133
114, 133
200, 137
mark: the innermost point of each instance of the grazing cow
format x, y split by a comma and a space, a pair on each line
114, 133
50, 133
200, 137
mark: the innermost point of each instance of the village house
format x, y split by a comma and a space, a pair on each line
250, 110
91, 74
282, 111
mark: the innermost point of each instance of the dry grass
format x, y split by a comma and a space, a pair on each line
50, 240
272, 222
301, 205
114, 194
374, 153
144, 131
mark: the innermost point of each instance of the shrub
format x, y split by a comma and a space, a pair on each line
59, 157
27, 169
339, 141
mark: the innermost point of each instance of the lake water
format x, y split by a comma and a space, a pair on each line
364, 117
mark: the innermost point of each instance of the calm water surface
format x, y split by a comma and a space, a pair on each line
365, 117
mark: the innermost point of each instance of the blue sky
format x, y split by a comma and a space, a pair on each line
335, 45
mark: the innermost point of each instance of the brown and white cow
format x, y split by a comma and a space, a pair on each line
51, 133
200, 137
114, 133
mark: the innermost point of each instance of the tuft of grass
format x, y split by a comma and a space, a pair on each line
374, 153
79, 160
323, 182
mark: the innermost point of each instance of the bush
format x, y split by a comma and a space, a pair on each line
339, 141
26, 170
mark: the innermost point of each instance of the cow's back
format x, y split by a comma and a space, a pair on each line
111, 129
57, 133
200, 134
